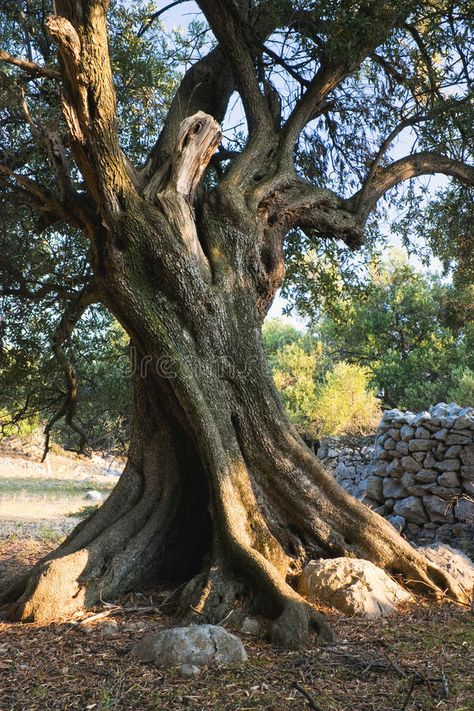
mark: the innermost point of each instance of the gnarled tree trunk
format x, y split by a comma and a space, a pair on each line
218, 488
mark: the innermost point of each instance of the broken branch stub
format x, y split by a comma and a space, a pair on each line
198, 138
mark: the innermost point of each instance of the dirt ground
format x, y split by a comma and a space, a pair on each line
416, 660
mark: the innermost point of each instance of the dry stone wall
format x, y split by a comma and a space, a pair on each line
418, 473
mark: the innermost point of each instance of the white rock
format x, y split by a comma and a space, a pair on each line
251, 627
421, 416
344, 472
198, 645
389, 415
440, 410
93, 495
352, 585
188, 671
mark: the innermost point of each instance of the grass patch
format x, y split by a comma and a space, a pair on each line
51, 487
84, 511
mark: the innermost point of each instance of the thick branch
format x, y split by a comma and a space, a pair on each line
412, 121
31, 68
44, 199
229, 29
423, 163
295, 203
88, 100
59, 290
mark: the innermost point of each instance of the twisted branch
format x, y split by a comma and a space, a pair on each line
67, 409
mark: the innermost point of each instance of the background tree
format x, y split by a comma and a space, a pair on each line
413, 332
219, 489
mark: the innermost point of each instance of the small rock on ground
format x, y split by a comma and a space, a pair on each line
198, 645
188, 671
454, 562
251, 627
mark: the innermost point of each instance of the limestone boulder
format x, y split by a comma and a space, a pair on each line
467, 455
353, 586
374, 487
197, 645
407, 432
410, 464
448, 465
426, 476
467, 473
450, 479
393, 488
457, 564
420, 445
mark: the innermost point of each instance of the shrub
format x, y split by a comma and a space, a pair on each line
344, 402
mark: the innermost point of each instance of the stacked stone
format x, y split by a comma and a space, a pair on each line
422, 473
349, 463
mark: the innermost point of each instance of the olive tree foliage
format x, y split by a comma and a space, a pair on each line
186, 250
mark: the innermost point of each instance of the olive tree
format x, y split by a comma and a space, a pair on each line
186, 250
